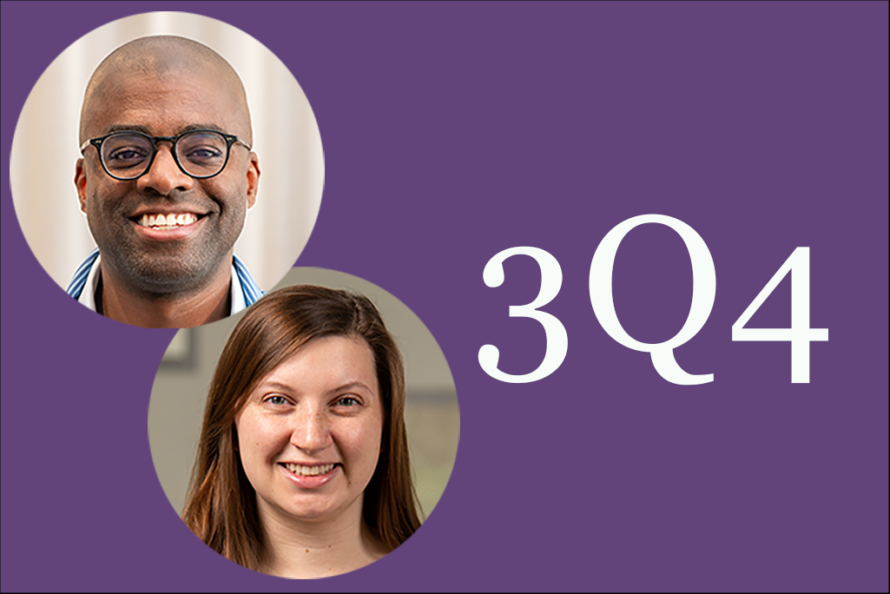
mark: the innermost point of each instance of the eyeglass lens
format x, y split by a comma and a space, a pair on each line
200, 154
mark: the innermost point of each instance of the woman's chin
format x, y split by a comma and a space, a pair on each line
312, 508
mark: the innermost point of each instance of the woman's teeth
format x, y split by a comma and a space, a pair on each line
309, 470
167, 221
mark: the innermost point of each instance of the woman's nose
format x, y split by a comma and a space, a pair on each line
164, 175
311, 432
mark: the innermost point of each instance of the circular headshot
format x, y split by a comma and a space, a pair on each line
166, 169
310, 435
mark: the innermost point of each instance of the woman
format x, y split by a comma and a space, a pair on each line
302, 467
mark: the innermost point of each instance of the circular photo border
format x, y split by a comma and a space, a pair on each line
432, 414
286, 139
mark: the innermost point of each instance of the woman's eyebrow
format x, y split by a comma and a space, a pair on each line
352, 386
275, 386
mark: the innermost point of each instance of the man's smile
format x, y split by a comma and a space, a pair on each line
181, 224
169, 221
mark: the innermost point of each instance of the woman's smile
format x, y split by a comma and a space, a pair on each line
308, 470
310, 477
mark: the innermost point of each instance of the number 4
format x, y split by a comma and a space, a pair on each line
800, 335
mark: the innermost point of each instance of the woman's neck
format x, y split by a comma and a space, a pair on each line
312, 549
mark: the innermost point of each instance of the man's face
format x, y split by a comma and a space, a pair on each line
147, 252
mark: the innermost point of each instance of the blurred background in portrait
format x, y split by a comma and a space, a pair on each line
180, 390
285, 132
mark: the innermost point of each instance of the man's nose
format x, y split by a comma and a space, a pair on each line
311, 432
164, 175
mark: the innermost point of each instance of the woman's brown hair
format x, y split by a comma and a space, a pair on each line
221, 505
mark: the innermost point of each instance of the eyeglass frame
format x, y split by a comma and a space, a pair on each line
230, 139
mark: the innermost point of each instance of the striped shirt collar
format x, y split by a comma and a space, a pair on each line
83, 285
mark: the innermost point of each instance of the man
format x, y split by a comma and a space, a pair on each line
166, 179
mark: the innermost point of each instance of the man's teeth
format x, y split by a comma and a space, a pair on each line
170, 220
309, 470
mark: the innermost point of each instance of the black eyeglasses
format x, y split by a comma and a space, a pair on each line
127, 155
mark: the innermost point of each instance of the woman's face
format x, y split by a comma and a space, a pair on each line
309, 435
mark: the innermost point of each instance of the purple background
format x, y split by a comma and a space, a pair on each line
451, 133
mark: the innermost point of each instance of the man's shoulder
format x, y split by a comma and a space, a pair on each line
252, 291
79, 280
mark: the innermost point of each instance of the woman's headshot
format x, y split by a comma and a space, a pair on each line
303, 467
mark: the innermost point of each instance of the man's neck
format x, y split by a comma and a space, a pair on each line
177, 310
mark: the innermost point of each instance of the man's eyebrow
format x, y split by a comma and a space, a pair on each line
201, 127
126, 128
145, 130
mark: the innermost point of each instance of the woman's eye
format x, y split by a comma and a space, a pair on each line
276, 400
347, 401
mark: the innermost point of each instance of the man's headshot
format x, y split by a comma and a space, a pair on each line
166, 178
166, 175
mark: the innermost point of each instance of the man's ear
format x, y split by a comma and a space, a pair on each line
253, 179
80, 182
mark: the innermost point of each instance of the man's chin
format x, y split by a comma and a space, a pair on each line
167, 276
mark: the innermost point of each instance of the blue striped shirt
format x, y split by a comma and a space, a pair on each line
83, 285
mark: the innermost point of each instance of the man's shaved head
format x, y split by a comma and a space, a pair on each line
163, 57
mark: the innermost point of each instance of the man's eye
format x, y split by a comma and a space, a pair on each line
126, 155
203, 154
